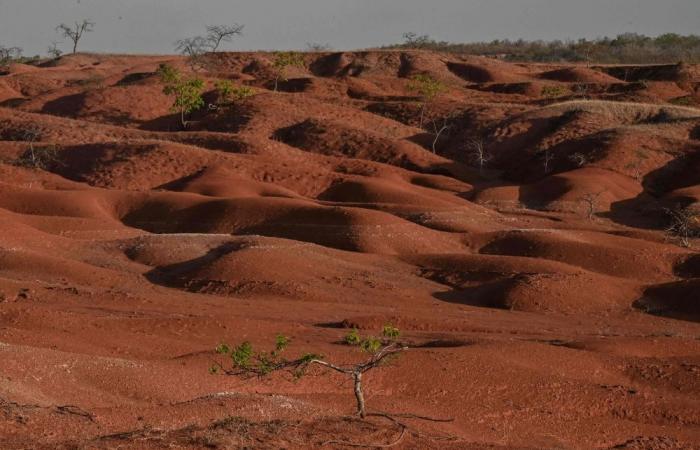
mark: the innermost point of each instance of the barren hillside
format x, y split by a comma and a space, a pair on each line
512, 227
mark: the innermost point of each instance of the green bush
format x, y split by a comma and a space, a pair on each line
227, 91
246, 361
282, 61
187, 92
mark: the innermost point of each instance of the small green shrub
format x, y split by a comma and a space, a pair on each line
228, 92
428, 88
187, 92
282, 61
246, 361
554, 91
682, 101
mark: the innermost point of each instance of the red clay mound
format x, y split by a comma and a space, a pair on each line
342, 228
678, 300
378, 191
254, 266
119, 105
526, 284
597, 252
578, 75
221, 181
334, 139
7, 93
569, 190
484, 70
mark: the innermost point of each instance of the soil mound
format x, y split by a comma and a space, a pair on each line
578, 75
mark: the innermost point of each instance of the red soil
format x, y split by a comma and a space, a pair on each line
138, 247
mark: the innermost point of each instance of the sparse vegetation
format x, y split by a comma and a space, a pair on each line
439, 127
194, 48
682, 101
625, 48
282, 61
227, 92
478, 154
684, 224
547, 158
591, 201
318, 47
554, 91
53, 50
579, 159
217, 34
187, 91
248, 362
428, 88
635, 167
37, 157
9, 54
76, 32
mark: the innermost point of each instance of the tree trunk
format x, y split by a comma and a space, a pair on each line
182, 119
422, 114
357, 376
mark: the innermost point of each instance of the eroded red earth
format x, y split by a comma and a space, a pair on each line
139, 247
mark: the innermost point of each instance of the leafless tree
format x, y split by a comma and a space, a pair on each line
35, 157
216, 34
581, 90
684, 224
440, 126
318, 47
636, 166
193, 47
75, 33
8, 54
579, 159
591, 201
548, 157
31, 135
53, 50
478, 153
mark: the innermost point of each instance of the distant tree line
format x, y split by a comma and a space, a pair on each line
625, 48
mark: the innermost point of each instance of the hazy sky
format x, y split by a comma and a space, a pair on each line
151, 26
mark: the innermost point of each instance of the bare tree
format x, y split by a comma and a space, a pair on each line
548, 157
591, 201
44, 157
579, 159
636, 166
9, 54
478, 153
193, 47
53, 50
581, 90
31, 135
75, 33
440, 126
216, 34
684, 224
318, 47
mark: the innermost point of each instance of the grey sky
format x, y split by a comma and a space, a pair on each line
151, 26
